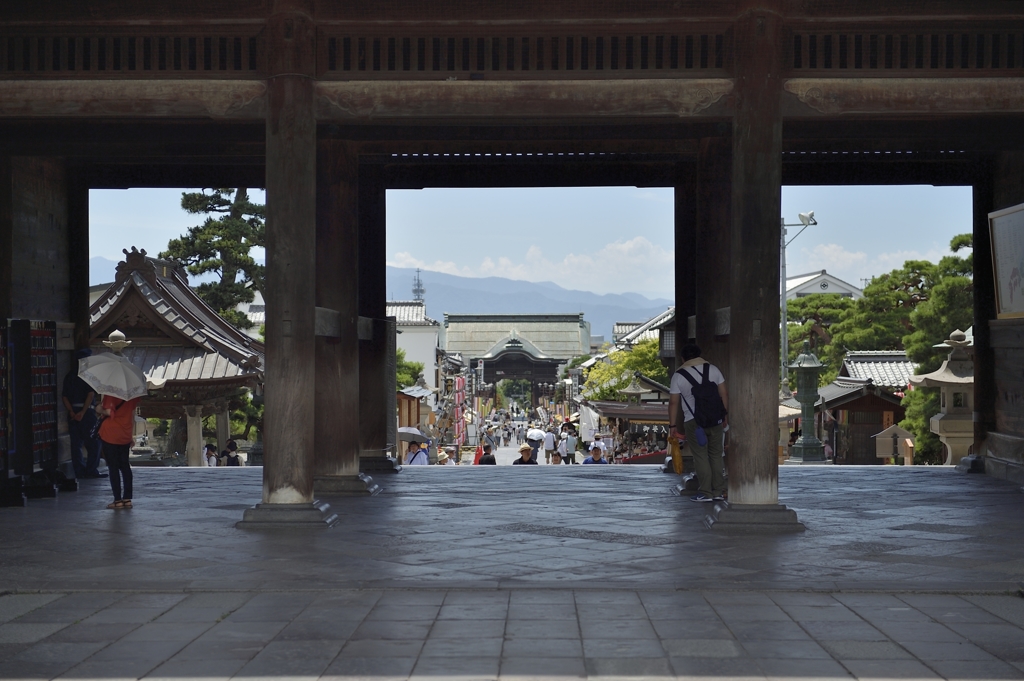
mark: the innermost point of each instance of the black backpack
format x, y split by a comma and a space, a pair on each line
707, 408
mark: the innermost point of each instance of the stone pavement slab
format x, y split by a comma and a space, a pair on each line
869, 528
497, 573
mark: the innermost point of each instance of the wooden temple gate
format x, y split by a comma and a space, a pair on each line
329, 104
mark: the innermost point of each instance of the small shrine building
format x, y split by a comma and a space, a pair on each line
201, 362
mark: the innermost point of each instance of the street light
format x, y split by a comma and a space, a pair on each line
806, 220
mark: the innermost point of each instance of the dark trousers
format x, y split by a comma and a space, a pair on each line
117, 464
79, 432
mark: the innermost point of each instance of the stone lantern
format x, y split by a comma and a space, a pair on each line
954, 424
808, 449
634, 389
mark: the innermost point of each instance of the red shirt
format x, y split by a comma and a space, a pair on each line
119, 427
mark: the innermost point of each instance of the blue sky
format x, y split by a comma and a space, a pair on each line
604, 239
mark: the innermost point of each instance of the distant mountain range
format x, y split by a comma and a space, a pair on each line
496, 295
492, 295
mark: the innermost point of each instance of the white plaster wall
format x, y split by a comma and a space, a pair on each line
420, 343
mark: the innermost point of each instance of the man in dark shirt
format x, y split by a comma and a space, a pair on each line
230, 455
488, 458
525, 456
78, 397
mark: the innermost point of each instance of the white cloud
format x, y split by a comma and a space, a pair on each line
886, 262
633, 265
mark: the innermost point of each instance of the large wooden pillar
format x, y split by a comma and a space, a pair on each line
712, 259
337, 343
685, 216
377, 399
290, 400
78, 256
983, 195
752, 374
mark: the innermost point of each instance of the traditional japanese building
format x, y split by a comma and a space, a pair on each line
517, 346
201, 362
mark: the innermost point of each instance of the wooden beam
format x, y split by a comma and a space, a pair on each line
497, 100
214, 99
908, 96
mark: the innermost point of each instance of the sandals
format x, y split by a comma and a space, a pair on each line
124, 503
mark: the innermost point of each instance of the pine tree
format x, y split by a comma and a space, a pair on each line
222, 245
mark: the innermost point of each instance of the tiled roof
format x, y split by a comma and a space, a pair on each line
843, 390
620, 329
559, 336
205, 348
409, 313
648, 329
885, 368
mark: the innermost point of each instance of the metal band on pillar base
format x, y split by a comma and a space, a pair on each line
358, 485
288, 516
753, 519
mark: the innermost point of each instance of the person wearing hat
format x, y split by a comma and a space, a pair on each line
453, 458
443, 459
525, 456
490, 438
416, 455
210, 455
596, 454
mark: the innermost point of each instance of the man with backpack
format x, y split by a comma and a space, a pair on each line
699, 403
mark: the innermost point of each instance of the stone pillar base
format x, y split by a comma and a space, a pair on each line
971, 464
753, 519
288, 516
806, 462
689, 483
358, 485
377, 463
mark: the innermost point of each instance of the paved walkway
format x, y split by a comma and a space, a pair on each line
494, 572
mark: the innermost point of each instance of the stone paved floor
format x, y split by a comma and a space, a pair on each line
547, 573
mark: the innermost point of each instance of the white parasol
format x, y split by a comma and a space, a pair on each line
112, 373
411, 435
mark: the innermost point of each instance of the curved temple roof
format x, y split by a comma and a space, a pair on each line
175, 335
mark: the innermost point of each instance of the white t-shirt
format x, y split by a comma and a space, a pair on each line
680, 386
417, 458
549, 441
210, 459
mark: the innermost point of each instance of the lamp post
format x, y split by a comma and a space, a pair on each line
808, 448
806, 220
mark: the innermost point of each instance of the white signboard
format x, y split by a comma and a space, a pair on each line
1006, 229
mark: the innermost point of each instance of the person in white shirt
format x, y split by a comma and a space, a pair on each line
210, 455
707, 455
416, 456
549, 444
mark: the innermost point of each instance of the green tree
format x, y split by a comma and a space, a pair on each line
407, 372
881, 319
607, 378
221, 245
514, 390
949, 305
811, 318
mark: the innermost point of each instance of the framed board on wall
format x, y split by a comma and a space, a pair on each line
1006, 230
